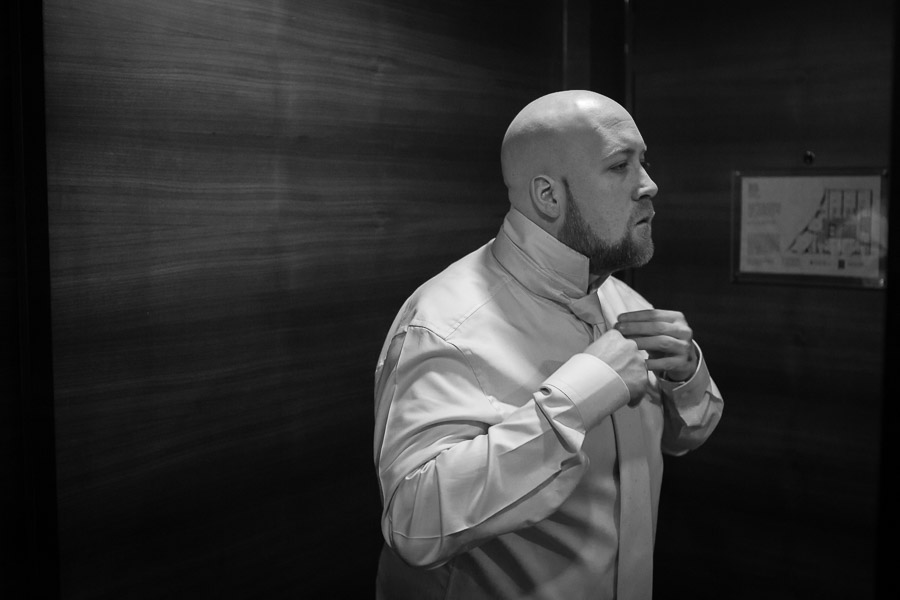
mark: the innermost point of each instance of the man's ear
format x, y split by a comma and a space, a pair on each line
545, 198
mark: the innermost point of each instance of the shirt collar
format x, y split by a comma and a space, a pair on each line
539, 261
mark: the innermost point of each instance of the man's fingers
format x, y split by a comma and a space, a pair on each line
663, 345
666, 338
635, 329
651, 314
670, 363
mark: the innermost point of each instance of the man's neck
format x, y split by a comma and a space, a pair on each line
595, 281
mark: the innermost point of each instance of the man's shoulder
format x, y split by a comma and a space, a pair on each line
447, 300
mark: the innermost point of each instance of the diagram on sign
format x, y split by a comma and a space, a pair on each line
841, 226
806, 225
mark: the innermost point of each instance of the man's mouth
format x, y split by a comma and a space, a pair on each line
646, 219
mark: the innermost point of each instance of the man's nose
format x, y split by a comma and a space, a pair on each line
646, 188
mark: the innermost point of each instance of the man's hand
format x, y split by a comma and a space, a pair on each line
666, 337
625, 359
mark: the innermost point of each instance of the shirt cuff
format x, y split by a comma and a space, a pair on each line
593, 387
688, 396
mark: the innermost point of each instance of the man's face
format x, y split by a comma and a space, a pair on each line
609, 198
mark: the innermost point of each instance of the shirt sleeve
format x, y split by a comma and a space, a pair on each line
453, 470
692, 409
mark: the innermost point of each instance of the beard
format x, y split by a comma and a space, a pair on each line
604, 257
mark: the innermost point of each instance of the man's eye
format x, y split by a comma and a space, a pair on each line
646, 165
620, 167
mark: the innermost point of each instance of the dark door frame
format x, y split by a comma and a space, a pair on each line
34, 540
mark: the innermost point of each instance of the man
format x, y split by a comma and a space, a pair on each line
524, 396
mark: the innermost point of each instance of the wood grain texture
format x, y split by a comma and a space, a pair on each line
781, 502
241, 195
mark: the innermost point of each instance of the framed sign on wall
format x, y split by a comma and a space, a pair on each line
818, 227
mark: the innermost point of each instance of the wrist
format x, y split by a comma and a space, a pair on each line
677, 376
685, 372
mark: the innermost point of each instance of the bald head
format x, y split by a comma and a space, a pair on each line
548, 135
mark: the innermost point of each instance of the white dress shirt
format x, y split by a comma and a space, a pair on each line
494, 443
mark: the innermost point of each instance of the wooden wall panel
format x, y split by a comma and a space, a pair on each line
27, 443
241, 195
781, 503
11, 477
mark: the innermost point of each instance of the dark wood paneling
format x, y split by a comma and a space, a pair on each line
241, 195
782, 501
29, 566
887, 585
12, 534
